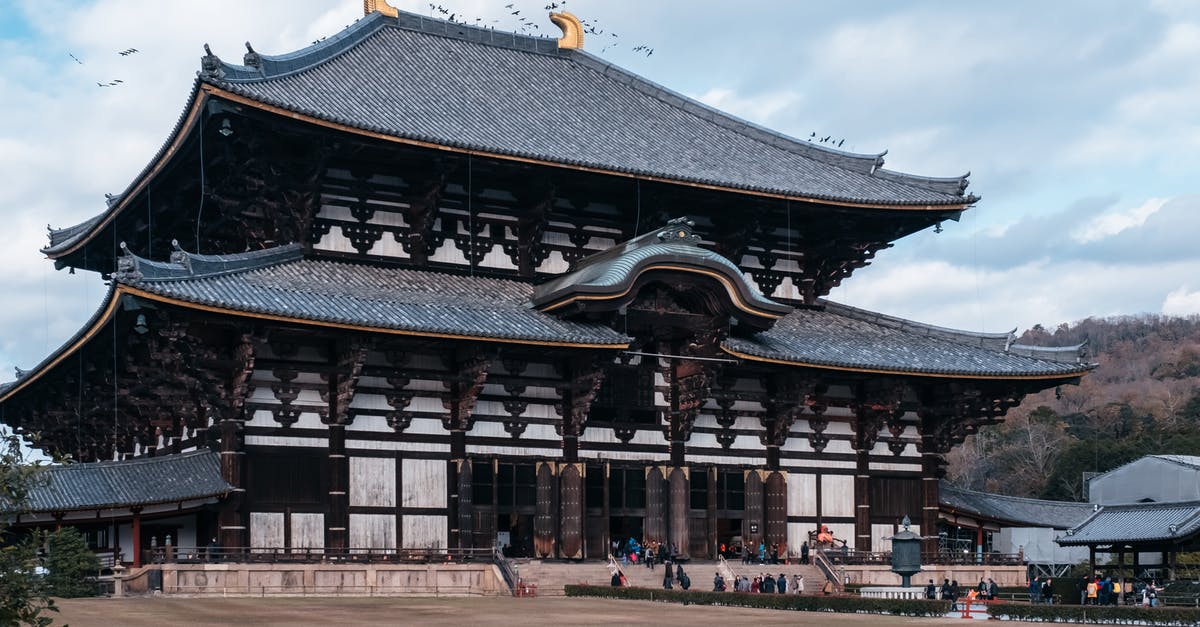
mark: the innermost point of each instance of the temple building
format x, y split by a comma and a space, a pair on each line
428, 285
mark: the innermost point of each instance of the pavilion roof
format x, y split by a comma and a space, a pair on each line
1013, 509
506, 94
142, 481
1138, 523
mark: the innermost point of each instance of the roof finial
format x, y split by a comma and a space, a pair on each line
371, 6
572, 30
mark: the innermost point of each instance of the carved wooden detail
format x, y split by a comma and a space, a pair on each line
468, 369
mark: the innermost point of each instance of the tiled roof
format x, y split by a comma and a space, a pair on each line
280, 282
1136, 522
459, 86
843, 337
1012, 509
144, 481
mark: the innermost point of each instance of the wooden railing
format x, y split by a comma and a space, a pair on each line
822, 562
855, 557
277, 555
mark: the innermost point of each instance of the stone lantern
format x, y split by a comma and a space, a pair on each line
906, 553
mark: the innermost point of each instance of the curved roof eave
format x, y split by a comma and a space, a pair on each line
943, 374
183, 129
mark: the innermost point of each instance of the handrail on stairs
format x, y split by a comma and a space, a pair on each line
822, 562
726, 572
615, 569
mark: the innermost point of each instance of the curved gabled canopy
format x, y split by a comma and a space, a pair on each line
606, 281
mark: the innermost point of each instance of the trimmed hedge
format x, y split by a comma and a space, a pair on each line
1090, 614
803, 603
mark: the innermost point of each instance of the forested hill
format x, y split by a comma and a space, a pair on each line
1143, 399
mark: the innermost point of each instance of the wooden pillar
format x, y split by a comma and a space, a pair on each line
1136, 563
931, 462
231, 524
58, 518
979, 543
679, 509
464, 537
137, 537
711, 514
1092, 560
862, 500
337, 536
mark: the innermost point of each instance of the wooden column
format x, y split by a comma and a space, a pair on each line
337, 535
711, 515
137, 537
931, 470
231, 527
862, 500
680, 506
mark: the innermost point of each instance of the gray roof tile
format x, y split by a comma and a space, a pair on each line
1012, 509
1136, 522
144, 481
843, 337
508, 94
280, 282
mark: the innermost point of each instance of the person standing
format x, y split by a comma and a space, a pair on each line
718, 583
797, 584
668, 576
768, 584
993, 590
781, 584
1047, 592
931, 591
804, 553
1093, 590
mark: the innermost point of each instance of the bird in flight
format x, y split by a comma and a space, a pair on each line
75, 57
128, 51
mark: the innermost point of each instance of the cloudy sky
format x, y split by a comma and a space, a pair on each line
1078, 121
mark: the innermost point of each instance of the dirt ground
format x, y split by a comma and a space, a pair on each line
462, 612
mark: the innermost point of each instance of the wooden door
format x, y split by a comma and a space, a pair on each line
752, 520
653, 527
775, 499
571, 528
465, 511
544, 519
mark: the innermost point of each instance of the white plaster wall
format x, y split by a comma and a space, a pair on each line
308, 531
802, 495
372, 531
266, 529
372, 482
424, 483
837, 495
843, 531
422, 532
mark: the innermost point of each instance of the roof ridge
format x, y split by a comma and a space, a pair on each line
1015, 498
184, 265
962, 336
126, 462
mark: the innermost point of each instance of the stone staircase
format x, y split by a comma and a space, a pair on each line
551, 575
813, 577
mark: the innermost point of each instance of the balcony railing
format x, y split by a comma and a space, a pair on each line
280, 555
853, 557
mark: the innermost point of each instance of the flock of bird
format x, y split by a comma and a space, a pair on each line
114, 82
526, 25
828, 139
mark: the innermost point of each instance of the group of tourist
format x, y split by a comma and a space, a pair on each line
763, 583
770, 554
1109, 591
1041, 591
648, 553
950, 591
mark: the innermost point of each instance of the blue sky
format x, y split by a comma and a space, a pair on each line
1077, 120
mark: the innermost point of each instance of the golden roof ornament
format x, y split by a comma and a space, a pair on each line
572, 29
371, 6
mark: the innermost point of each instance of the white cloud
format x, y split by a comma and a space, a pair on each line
1114, 222
1181, 302
759, 108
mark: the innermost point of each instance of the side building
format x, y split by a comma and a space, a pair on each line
443, 287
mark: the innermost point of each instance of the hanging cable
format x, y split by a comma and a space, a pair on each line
200, 211
470, 217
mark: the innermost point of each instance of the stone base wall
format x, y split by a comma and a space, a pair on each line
967, 576
333, 579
